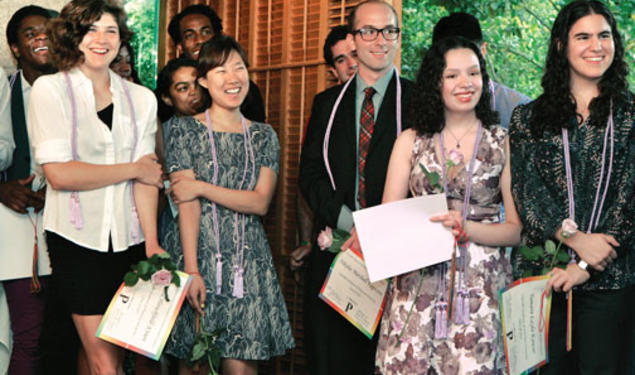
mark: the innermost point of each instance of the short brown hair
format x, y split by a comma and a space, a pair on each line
67, 31
216, 51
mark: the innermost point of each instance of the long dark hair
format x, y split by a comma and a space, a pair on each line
556, 107
427, 108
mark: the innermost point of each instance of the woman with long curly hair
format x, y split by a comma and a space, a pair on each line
455, 136
573, 159
93, 134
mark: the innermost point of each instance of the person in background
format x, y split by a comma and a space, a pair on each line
102, 180
340, 57
195, 25
504, 99
223, 170
124, 64
23, 265
573, 180
452, 98
367, 114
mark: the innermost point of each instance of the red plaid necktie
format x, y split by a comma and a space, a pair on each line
367, 124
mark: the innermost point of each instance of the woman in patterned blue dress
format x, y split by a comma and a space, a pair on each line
223, 171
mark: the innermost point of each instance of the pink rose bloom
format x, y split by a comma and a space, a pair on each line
456, 157
569, 228
325, 238
162, 277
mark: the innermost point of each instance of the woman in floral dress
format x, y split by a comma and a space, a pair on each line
454, 123
223, 171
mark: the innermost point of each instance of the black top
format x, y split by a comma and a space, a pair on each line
105, 115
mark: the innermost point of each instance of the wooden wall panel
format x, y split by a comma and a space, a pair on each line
283, 40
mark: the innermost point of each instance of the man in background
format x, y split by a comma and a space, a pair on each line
194, 26
340, 57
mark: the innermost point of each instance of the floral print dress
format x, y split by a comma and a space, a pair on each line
475, 348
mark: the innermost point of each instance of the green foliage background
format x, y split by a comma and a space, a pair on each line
143, 20
516, 31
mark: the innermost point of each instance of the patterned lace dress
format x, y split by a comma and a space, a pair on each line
255, 327
475, 348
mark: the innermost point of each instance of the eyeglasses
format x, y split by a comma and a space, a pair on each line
369, 34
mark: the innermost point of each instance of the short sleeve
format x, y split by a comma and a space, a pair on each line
268, 148
178, 145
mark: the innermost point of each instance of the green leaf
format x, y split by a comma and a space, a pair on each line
546, 270
550, 247
538, 252
165, 293
198, 351
527, 252
144, 267
563, 257
340, 234
176, 279
130, 279
163, 255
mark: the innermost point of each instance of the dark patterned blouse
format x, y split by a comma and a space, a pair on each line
539, 186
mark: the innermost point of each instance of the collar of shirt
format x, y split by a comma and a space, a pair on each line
380, 86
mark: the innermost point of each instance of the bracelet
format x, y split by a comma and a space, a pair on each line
193, 273
305, 243
582, 264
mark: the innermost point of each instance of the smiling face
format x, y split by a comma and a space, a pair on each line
228, 83
184, 94
590, 48
122, 64
375, 57
32, 48
196, 29
461, 81
101, 43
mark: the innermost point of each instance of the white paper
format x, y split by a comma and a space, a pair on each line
398, 237
524, 333
140, 319
349, 292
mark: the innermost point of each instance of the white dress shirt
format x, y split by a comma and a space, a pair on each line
7, 145
107, 210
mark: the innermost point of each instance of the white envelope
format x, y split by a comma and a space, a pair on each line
398, 237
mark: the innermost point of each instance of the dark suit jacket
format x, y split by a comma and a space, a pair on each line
314, 181
334, 346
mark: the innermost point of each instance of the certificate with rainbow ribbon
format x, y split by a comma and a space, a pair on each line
349, 292
140, 319
525, 309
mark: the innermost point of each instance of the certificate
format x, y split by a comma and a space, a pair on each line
398, 237
348, 291
525, 318
140, 319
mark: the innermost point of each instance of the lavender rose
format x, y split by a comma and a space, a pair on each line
162, 277
569, 228
325, 238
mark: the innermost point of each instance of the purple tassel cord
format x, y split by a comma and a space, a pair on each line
219, 274
441, 321
77, 219
238, 282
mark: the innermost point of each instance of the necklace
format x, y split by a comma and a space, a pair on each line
458, 140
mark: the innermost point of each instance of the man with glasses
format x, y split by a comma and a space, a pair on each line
360, 140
